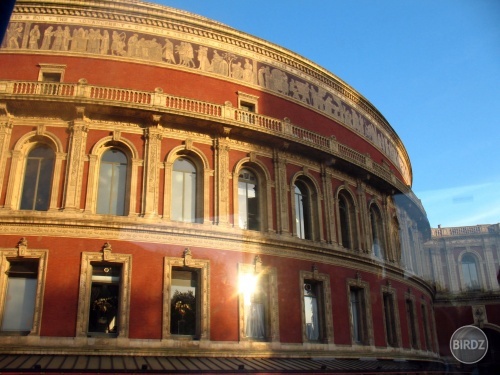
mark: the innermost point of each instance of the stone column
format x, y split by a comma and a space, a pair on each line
75, 163
153, 136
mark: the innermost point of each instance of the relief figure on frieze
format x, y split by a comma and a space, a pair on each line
47, 38
186, 54
58, 39
118, 43
13, 35
203, 59
168, 50
104, 43
34, 37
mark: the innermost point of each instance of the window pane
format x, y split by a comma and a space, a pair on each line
112, 183
37, 179
255, 304
344, 223
183, 206
183, 304
20, 297
311, 312
104, 298
248, 201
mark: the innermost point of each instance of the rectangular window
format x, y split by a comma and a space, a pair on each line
184, 305
256, 306
358, 315
412, 329
425, 322
314, 310
104, 298
390, 319
20, 300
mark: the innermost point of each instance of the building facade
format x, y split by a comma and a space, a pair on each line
172, 186
464, 264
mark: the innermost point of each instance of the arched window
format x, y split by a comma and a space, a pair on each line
347, 221
302, 211
469, 272
183, 195
248, 201
38, 179
112, 190
377, 232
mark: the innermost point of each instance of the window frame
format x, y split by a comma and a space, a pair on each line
21, 252
349, 224
84, 295
272, 315
322, 281
202, 267
412, 322
126, 192
366, 312
198, 215
40, 172
258, 196
469, 287
389, 292
377, 231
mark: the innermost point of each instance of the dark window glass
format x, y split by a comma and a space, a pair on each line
469, 272
112, 183
358, 315
104, 297
390, 319
302, 211
248, 201
38, 179
410, 314
376, 225
184, 304
344, 223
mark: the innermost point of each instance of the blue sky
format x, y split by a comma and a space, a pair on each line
432, 67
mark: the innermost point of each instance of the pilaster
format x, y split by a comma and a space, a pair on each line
222, 175
153, 136
281, 193
76, 159
5, 135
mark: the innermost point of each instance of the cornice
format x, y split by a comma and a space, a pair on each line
214, 237
157, 20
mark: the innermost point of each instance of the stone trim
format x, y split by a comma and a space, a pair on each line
21, 252
203, 268
326, 305
86, 284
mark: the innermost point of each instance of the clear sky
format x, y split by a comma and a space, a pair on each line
431, 67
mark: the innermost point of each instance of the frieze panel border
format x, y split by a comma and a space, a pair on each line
123, 38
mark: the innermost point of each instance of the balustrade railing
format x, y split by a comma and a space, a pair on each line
158, 99
459, 231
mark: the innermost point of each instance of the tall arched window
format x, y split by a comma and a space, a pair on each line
248, 201
469, 272
377, 232
345, 228
38, 179
112, 190
183, 191
302, 211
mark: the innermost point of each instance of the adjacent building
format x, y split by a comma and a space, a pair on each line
173, 188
